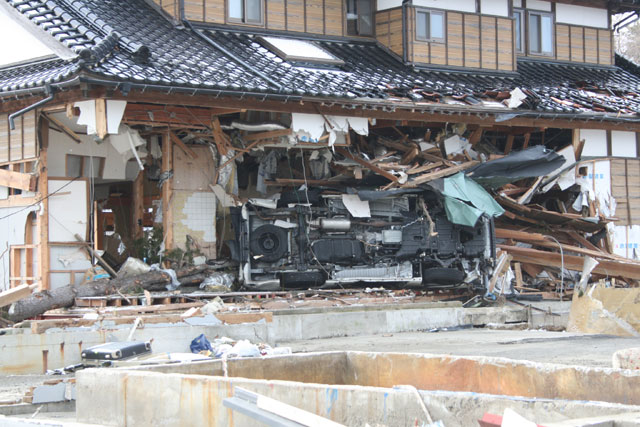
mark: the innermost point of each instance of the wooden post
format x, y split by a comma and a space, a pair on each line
138, 205
43, 216
167, 191
101, 117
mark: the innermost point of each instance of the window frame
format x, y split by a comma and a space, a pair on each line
429, 38
521, 30
244, 20
100, 172
372, 14
541, 14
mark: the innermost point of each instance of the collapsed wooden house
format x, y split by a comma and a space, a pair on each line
161, 116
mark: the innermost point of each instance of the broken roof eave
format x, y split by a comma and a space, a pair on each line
500, 116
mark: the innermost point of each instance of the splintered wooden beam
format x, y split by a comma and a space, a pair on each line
219, 137
65, 129
367, 164
612, 268
176, 140
440, 174
19, 180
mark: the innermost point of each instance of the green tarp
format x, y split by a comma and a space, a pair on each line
459, 189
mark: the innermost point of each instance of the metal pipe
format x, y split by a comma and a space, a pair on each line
229, 55
13, 116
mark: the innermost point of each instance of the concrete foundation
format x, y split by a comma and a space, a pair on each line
22, 352
355, 388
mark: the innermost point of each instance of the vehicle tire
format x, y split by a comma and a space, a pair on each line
302, 279
443, 276
268, 243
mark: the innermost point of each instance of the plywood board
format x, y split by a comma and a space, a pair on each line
194, 10
4, 138
214, 11
488, 36
455, 42
577, 44
605, 39
314, 11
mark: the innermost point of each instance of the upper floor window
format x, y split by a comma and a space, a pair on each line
518, 17
540, 33
245, 11
359, 17
429, 25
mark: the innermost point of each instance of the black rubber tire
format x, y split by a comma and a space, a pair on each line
270, 242
302, 279
443, 276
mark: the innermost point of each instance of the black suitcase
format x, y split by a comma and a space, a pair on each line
116, 351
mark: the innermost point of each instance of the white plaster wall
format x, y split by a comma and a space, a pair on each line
539, 5
623, 144
388, 4
68, 210
12, 232
458, 5
517, 3
495, 7
595, 142
581, 15
60, 145
4, 192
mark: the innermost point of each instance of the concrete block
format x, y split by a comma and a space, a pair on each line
49, 393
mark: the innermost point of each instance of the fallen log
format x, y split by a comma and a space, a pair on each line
40, 302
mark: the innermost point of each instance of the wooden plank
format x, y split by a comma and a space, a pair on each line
137, 216
176, 140
15, 141
40, 326
295, 15
167, 191
214, 11
19, 180
68, 131
367, 165
101, 117
440, 174
29, 145
518, 272
43, 215
612, 268
267, 135
15, 294
502, 265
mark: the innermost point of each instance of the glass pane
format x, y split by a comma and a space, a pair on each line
534, 33
517, 18
235, 9
74, 166
254, 10
422, 25
437, 26
366, 17
546, 33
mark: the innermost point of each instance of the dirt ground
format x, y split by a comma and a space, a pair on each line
532, 345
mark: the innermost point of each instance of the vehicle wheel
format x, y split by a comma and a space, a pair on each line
443, 276
269, 243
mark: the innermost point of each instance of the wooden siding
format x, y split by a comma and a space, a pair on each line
20, 143
324, 17
171, 7
583, 44
472, 41
389, 29
625, 188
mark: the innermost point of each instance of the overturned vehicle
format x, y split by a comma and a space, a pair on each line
325, 239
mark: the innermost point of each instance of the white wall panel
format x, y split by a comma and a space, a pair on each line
581, 15
539, 5
623, 144
67, 210
595, 142
495, 7
388, 4
458, 5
